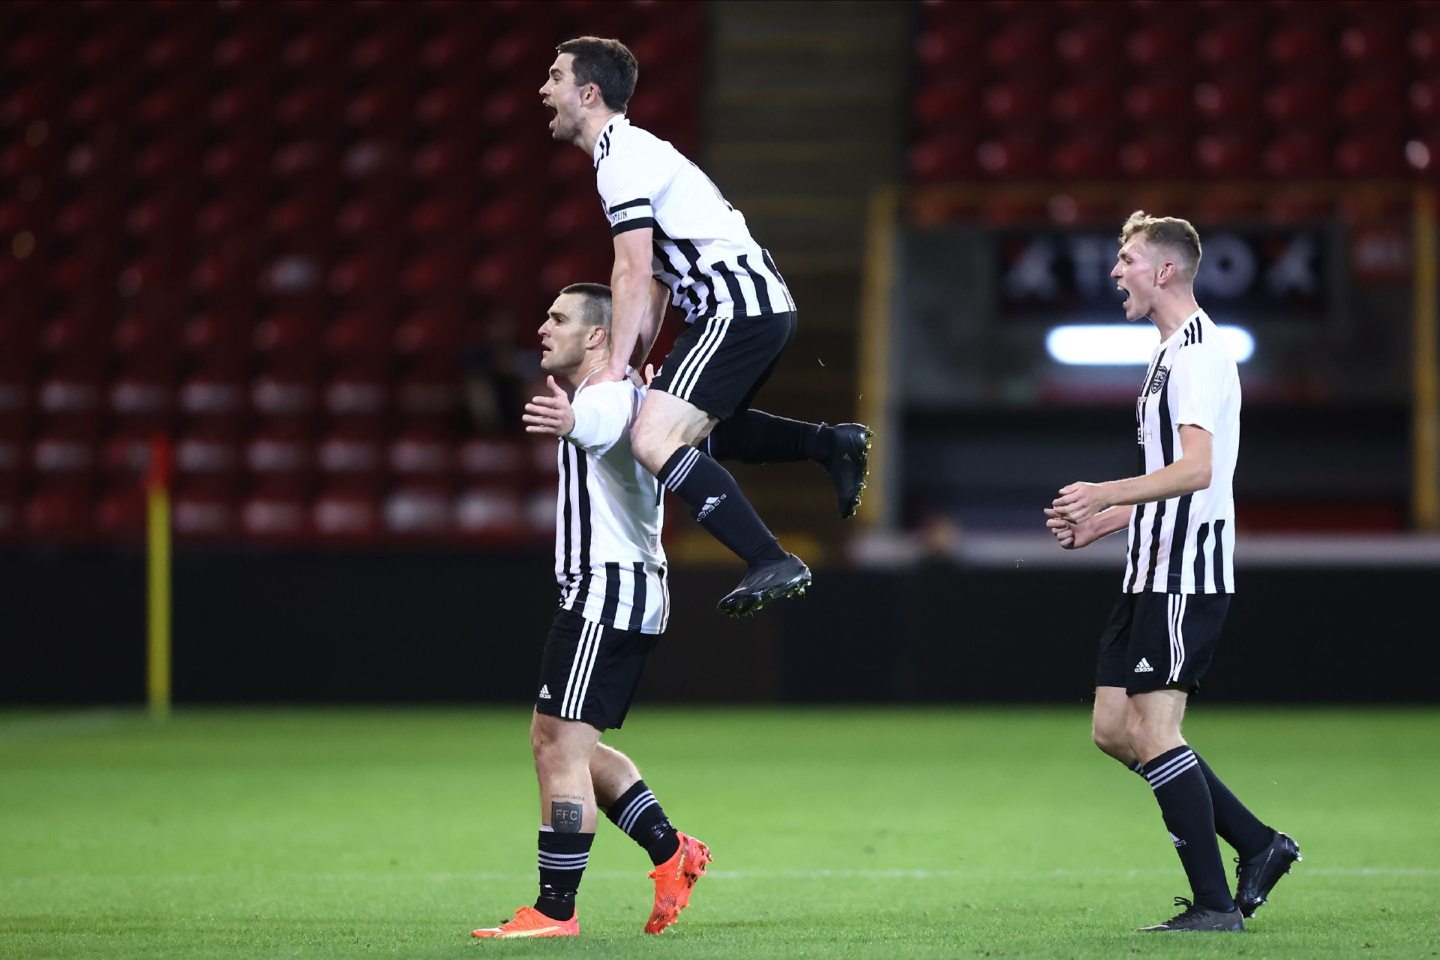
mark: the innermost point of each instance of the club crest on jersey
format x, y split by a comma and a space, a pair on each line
1158, 380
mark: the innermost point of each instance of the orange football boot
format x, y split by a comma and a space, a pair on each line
674, 880
529, 922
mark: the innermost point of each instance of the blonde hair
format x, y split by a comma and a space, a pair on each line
1171, 232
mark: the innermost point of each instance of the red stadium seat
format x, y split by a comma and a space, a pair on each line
215, 399
206, 456
1423, 98
420, 454
1231, 42
432, 333
356, 394
944, 158
1091, 48
1298, 154
1168, 103
1228, 155
1084, 157
204, 512
346, 515
446, 107
289, 341
490, 511
280, 395
1092, 106
1371, 155
283, 457
371, 220
1425, 45
1017, 156
1021, 101
1376, 45
374, 159
1158, 157
275, 516
64, 455
494, 458
61, 514
141, 402
427, 397
122, 512
1164, 47
945, 49
1020, 46
1375, 104
352, 453
1303, 47
418, 511
252, 48
1301, 104
446, 161
949, 107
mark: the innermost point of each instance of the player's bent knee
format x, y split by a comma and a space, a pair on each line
1113, 743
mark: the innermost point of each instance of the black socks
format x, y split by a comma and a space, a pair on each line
716, 502
562, 863
753, 436
1185, 804
639, 814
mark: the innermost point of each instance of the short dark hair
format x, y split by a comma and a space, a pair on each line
597, 303
608, 64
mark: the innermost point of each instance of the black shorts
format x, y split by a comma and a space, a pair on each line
589, 671
718, 365
1160, 640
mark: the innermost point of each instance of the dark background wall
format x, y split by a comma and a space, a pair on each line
327, 627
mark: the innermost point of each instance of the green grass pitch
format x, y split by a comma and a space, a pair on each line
895, 833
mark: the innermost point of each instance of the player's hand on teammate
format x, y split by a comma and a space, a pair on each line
1079, 502
550, 413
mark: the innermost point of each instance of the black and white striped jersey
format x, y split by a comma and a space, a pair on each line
702, 249
609, 562
1187, 544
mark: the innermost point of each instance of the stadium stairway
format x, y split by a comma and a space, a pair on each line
804, 117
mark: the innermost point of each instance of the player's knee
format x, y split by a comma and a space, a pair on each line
652, 445
1111, 741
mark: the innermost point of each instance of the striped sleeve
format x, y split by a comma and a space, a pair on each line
631, 177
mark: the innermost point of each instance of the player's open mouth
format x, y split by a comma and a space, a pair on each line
1124, 295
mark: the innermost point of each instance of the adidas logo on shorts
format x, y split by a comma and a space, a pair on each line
1144, 666
544, 691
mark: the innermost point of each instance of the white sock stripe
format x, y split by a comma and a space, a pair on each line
596, 634
580, 669
627, 820
683, 468
694, 365
552, 863
640, 798
1156, 784
1165, 767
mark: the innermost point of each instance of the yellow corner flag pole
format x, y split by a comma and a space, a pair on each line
157, 495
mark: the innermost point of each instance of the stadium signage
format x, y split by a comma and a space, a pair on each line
1255, 272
